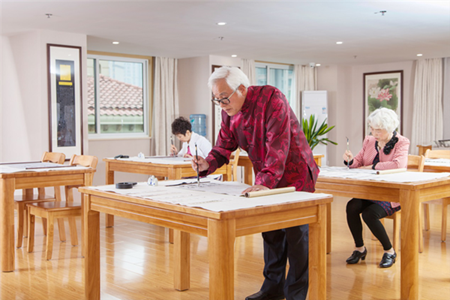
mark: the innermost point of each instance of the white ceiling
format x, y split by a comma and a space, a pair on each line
299, 31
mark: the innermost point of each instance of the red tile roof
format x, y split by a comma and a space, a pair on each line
118, 98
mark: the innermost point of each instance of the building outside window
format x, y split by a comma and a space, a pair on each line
117, 96
279, 76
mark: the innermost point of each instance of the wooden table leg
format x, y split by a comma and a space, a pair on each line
182, 272
221, 236
317, 256
92, 251
409, 278
7, 223
109, 221
328, 221
170, 235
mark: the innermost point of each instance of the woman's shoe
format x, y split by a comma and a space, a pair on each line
388, 260
356, 255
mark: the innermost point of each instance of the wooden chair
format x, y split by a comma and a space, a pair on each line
234, 164
415, 163
445, 202
21, 201
61, 209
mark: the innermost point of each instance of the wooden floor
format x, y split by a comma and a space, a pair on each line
137, 264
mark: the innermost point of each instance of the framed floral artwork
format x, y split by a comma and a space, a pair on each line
383, 89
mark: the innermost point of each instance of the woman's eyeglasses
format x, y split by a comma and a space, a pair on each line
224, 101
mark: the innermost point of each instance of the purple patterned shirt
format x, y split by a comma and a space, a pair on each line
267, 129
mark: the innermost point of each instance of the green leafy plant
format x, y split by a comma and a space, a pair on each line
313, 132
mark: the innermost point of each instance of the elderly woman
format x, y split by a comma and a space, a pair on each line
383, 149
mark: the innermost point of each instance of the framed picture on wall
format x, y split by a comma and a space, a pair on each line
382, 89
65, 103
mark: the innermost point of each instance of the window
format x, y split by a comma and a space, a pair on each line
279, 76
117, 96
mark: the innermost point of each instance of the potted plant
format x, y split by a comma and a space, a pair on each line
313, 132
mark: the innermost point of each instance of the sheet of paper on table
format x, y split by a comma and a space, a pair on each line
437, 162
364, 174
175, 160
206, 199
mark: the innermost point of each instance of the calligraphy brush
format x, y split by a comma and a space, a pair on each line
196, 157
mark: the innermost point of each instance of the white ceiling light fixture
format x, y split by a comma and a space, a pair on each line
234, 55
317, 65
221, 23
420, 54
115, 43
339, 43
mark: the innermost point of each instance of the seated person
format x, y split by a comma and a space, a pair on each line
384, 149
182, 129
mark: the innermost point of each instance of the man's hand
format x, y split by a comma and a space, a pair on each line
254, 188
202, 164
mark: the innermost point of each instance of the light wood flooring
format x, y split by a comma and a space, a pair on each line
136, 263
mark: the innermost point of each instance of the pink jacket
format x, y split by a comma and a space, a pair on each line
397, 158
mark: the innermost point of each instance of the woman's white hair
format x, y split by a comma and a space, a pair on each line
233, 76
383, 118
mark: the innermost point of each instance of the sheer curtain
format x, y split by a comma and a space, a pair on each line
248, 67
446, 98
165, 103
427, 125
306, 80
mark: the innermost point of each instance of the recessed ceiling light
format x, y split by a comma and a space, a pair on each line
339, 43
221, 23
317, 65
419, 54
234, 55
116, 43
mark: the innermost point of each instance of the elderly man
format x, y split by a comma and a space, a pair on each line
260, 121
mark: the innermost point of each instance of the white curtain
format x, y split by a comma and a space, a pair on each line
446, 98
306, 80
248, 67
165, 103
427, 125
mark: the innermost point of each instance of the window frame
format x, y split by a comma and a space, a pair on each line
268, 65
146, 90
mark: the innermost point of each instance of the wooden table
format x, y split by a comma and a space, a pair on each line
410, 195
246, 163
28, 180
221, 228
171, 171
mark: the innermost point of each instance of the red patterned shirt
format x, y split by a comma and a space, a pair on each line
267, 129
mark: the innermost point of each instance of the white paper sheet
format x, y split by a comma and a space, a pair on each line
207, 200
363, 174
156, 160
437, 162
15, 168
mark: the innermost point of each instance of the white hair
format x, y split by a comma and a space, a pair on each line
233, 76
383, 118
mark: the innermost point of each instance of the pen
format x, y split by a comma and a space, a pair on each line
196, 157
171, 143
348, 149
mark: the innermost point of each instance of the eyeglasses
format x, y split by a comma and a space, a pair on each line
224, 101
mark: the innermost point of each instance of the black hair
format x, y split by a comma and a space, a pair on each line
180, 126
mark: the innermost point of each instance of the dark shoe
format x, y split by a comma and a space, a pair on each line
265, 296
388, 260
356, 255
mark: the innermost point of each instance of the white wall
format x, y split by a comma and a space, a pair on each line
194, 94
345, 99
